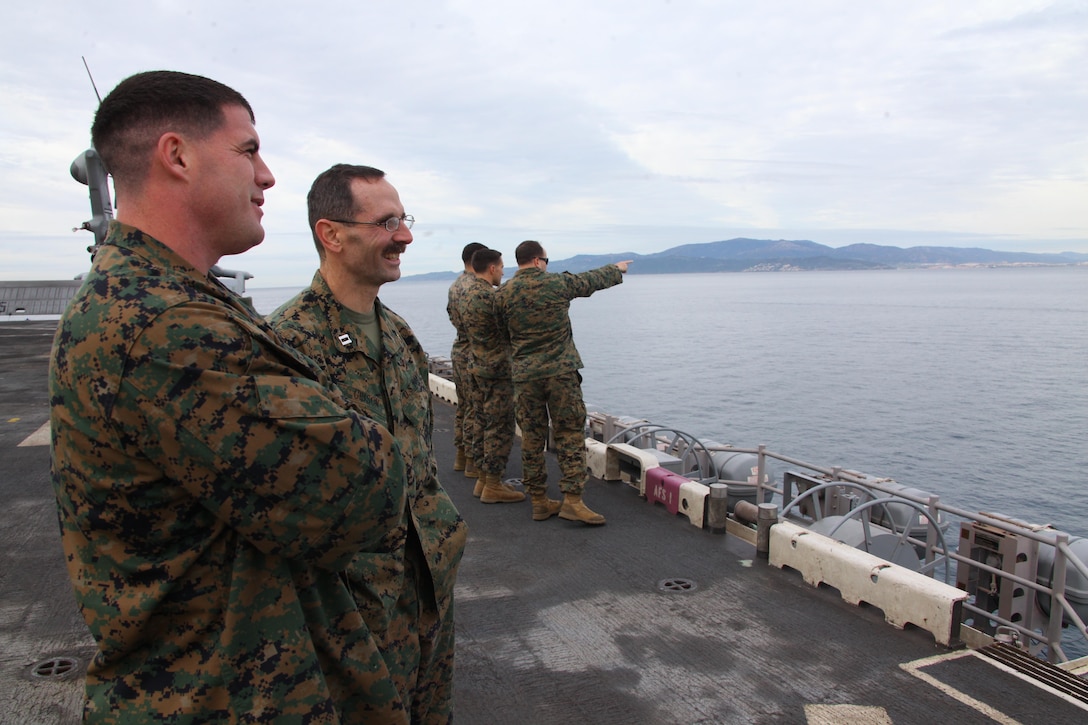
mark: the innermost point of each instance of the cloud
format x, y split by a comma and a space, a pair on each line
594, 127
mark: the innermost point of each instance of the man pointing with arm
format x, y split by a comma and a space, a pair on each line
547, 384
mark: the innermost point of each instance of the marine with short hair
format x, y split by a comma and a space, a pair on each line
465, 422
212, 486
544, 367
489, 355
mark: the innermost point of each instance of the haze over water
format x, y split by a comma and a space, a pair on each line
968, 383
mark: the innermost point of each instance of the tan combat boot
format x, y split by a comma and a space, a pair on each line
495, 491
459, 459
574, 510
543, 507
470, 468
478, 489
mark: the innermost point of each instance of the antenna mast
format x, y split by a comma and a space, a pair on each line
88, 169
96, 93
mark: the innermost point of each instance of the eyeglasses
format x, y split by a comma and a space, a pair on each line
543, 259
391, 224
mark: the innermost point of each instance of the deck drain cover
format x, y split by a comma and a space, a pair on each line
54, 667
675, 584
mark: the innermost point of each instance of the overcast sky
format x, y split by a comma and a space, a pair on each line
594, 126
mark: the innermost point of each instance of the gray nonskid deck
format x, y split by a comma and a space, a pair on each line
39, 622
559, 622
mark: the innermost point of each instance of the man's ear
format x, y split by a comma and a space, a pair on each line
172, 154
329, 236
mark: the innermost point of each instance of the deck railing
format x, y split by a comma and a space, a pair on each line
998, 606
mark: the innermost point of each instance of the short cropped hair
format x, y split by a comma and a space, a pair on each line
527, 251
134, 116
470, 249
330, 195
484, 258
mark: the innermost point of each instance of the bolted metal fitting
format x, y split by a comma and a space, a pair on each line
717, 508
766, 518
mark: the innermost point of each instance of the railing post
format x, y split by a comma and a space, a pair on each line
931, 529
1057, 589
761, 465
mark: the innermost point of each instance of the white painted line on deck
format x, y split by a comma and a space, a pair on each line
914, 668
854, 714
39, 437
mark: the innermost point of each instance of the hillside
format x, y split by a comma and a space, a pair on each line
764, 255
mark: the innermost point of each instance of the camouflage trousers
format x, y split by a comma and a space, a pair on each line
416, 642
464, 421
495, 416
559, 398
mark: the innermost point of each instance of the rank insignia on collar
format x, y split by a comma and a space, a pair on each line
345, 339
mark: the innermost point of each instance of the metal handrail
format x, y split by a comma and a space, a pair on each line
650, 430
904, 536
936, 545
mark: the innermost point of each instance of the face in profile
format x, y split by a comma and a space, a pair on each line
230, 181
372, 252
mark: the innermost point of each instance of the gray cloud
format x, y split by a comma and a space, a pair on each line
601, 126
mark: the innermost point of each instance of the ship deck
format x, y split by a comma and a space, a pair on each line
647, 619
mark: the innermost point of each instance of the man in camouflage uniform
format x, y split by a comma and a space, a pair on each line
404, 588
211, 485
489, 348
544, 368
465, 424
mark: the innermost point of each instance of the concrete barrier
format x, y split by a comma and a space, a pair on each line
631, 464
905, 596
444, 389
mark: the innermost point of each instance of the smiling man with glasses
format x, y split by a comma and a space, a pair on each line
371, 354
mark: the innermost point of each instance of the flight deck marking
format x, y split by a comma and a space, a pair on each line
859, 714
39, 437
914, 668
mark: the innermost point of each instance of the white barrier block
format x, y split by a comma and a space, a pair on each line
444, 389
597, 460
693, 501
905, 596
631, 464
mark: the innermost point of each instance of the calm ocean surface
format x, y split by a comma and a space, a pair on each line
968, 383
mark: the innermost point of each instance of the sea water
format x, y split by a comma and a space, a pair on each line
971, 384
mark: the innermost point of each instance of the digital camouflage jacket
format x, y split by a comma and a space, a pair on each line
536, 305
459, 351
485, 328
211, 490
395, 391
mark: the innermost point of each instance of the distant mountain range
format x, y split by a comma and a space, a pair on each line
764, 255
